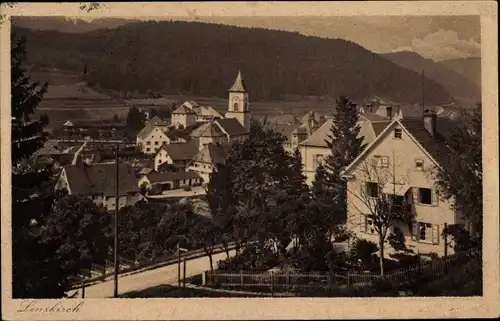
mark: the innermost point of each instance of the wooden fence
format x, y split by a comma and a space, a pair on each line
288, 281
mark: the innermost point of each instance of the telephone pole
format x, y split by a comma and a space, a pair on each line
115, 221
423, 93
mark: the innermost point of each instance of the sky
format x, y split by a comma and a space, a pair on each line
434, 37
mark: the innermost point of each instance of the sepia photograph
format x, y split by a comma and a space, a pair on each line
244, 156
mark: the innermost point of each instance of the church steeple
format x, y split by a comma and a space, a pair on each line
239, 84
238, 103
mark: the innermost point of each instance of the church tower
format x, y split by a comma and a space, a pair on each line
239, 106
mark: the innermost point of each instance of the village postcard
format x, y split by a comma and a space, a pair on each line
249, 160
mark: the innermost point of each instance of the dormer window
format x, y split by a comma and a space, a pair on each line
398, 133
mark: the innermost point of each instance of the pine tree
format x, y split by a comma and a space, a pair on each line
345, 145
53, 241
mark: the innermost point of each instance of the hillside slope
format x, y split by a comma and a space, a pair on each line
455, 83
202, 59
467, 67
64, 24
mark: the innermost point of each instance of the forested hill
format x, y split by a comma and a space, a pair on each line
202, 59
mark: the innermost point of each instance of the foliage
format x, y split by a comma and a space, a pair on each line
152, 55
26, 95
462, 176
252, 258
55, 238
461, 238
79, 233
362, 252
135, 122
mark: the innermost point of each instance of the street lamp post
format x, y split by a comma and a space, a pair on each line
179, 250
115, 223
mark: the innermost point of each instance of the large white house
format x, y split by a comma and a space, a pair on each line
401, 162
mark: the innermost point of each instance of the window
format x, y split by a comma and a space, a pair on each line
317, 160
425, 232
398, 133
235, 106
367, 224
419, 164
148, 143
156, 142
381, 161
425, 196
148, 149
372, 189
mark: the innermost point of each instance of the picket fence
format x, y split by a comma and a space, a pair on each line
278, 280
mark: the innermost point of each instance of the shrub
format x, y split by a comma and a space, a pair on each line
250, 259
362, 251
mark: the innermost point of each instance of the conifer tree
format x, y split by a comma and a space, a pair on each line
345, 145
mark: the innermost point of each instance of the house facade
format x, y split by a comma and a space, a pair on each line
151, 138
178, 155
162, 182
400, 163
98, 183
315, 149
184, 116
207, 160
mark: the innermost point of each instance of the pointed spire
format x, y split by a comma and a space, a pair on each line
239, 84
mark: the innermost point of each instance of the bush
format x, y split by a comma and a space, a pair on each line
362, 251
250, 259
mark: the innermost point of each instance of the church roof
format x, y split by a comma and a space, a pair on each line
207, 130
239, 84
231, 126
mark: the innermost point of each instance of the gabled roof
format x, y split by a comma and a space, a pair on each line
207, 130
319, 137
147, 130
97, 179
184, 110
433, 146
239, 84
231, 126
212, 154
68, 124
156, 177
181, 151
157, 121
207, 111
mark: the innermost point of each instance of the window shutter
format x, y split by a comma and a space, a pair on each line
435, 234
415, 195
414, 231
362, 223
435, 197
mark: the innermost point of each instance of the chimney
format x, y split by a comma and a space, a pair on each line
370, 107
430, 121
388, 110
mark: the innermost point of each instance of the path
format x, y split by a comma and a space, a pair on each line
151, 278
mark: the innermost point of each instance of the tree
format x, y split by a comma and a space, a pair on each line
79, 232
461, 178
381, 210
345, 145
26, 95
135, 121
205, 233
44, 261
